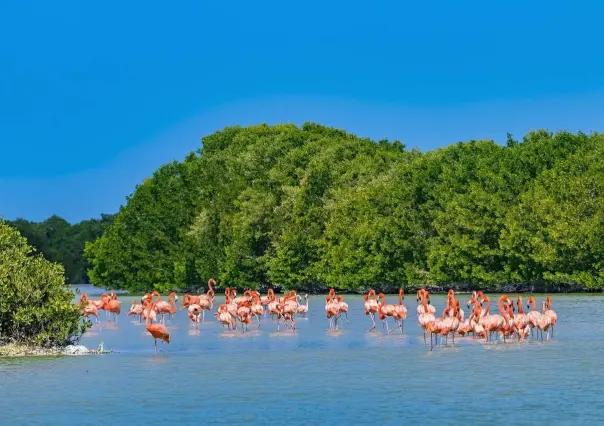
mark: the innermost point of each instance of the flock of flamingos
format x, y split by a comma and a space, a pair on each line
510, 323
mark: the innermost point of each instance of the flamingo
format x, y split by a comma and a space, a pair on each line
385, 310
371, 306
547, 310
421, 309
136, 309
272, 307
534, 316
343, 307
450, 323
256, 307
169, 307
332, 310
224, 316
509, 327
194, 312
400, 311
303, 309
477, 297
477, 328
266, 300
425, 317
158, 331
287, 310
244, 314
493, 322
113, 306
521, 321
88, 308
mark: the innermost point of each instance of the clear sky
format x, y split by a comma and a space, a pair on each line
94, 96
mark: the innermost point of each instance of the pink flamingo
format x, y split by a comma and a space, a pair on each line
136, 309
534, 316
371, 306
256, 307
343, 307
332, 310
521, 321
162, 308
303, 308
547, 310
400, 311
113, 306
157, 331
148, 312
428, 308
386, 310
426, 317
224, 316
493, 322
194, 313
88, 308
244, 315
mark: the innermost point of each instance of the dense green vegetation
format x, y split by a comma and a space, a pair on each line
314, 207
35, 305
63, 243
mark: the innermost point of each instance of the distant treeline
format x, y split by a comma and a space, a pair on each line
313, 207
63, 243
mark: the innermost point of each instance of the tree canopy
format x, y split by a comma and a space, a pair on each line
313, 207
35, 304
63, 243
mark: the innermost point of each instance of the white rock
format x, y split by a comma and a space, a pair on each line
76, 350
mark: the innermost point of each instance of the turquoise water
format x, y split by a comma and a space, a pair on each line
314, 376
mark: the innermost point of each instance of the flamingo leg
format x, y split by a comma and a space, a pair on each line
372, 316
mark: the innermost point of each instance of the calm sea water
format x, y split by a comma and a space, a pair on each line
314, 377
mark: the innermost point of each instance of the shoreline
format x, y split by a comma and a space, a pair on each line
19, 350
439, 291
15, 350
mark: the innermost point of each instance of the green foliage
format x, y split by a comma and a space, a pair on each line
313, 207
143, 248
35, 304
556, 232
63, 243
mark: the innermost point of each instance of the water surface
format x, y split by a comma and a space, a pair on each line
314, 376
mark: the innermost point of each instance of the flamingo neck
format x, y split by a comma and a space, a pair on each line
502, 308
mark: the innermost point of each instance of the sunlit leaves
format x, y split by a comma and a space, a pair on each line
313, 207
35, 304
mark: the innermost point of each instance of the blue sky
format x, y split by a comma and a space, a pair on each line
95, 96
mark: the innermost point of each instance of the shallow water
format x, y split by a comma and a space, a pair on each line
314, 376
